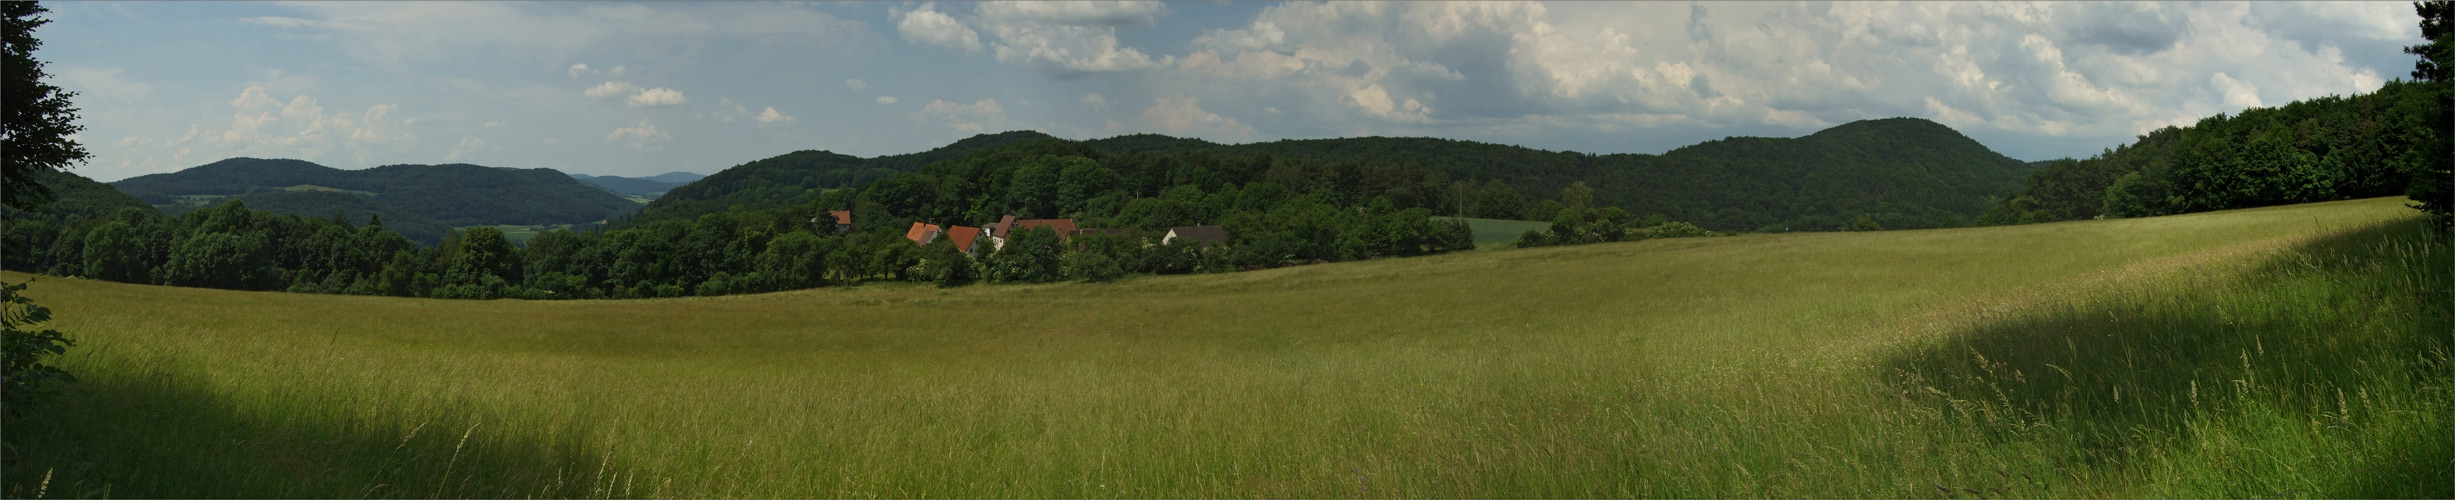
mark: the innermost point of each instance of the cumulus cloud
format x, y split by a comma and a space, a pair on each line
973, 118
467, 145
1095, 102
641, 136
926, 26
609, 89
656, 97
771, 117
886, 100
399, 35
264, 125
1183, 116
1072, 13
856, 85
2054, 70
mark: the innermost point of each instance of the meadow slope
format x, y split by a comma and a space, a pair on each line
2296, 351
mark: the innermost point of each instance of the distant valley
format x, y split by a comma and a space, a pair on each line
640, 189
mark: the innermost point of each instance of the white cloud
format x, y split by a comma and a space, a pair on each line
771, 117
973, 118
1073, 12
1095, 102
609, 89
926, 26
497, 124
578, 70
656, 97
1067, 50
401, 34
100, 83
466, 145
1182, 116
886, 100
856, 85
265, 126
2237, 93
641, 136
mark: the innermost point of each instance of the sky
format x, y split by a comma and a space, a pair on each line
638, 89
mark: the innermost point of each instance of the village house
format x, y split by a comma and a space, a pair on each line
922, 234
1006, 227
1205, 235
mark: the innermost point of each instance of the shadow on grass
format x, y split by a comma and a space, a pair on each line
2337, 350
166, 435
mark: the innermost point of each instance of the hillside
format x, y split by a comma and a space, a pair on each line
1900, 172
2206, 355
628, 185
454, 194
800, 176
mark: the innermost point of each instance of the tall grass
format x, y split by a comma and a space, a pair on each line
1965, 362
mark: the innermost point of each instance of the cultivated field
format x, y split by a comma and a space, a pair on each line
2298, 351
1499, 233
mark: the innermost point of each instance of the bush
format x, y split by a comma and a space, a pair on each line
27, 378
1092, 267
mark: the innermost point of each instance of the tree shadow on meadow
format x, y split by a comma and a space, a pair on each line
2342, 342
167, 435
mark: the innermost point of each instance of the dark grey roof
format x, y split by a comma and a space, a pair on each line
1201, 234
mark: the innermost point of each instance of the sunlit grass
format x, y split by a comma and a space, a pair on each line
1963, 362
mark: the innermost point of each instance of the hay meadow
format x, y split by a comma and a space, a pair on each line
2294, 351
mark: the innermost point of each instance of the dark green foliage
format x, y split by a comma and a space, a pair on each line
1029, 256
2433, 183
1094, 267
354, 207
26, 378
802, 176
2388, 142
1904, 172
1865, 224
35, 116
454, 195
947, 266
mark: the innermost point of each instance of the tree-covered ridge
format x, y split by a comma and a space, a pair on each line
800, 176
2383, 143
454, 194
1901, 172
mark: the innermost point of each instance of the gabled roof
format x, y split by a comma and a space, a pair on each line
1002, 228
1064, 227
1208, 235
842, 217
963, 236
922, 234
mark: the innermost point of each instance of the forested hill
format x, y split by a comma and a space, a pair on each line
1899, 172
800, 176
455, 194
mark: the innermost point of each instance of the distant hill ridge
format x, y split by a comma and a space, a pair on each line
1901, 172
454, 194
649, 187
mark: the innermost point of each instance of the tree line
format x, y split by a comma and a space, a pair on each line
2392, 141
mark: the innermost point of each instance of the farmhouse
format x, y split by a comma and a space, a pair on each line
922, 234
966, 238
1206, 235
843, 220
1006, 227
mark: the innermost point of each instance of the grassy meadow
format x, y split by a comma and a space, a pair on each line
2296, 351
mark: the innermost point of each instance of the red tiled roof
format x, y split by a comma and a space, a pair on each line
922, 234
842, 217
963, 236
